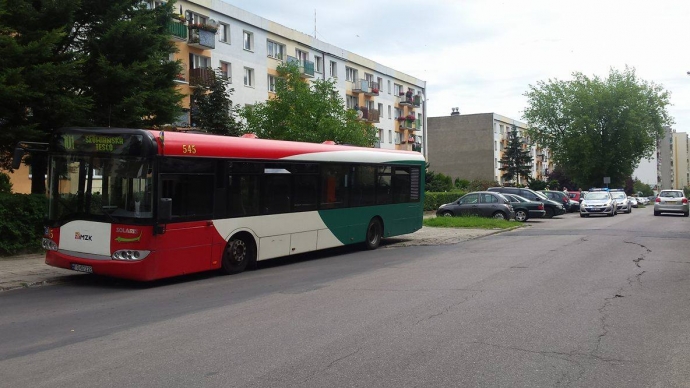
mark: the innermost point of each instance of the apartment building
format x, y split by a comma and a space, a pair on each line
248, 48
471, 146
669, 166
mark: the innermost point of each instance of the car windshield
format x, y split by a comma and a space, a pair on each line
541, 195
520, 199
597, 196
618, 194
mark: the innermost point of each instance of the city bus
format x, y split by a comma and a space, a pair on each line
145, 205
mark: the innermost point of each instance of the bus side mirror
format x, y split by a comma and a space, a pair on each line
165, 210
18, 155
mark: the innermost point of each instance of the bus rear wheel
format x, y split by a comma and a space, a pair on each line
239, 254
374, 234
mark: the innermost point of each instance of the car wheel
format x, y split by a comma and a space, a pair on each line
656, 213
520, 215
582, 215
686, 214
549, 213
499, 216
447, 214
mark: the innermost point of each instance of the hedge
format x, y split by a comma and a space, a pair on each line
21, 222
432, 200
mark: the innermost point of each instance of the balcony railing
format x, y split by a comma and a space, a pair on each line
407, 99
201, 77
372, 116
181, 77
177, 29
201, 38
370, 88
306, 68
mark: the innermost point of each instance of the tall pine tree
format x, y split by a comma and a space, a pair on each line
516, 161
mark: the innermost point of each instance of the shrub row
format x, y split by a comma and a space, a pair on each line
21, 222
432, 200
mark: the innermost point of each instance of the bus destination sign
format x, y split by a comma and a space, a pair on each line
117, 144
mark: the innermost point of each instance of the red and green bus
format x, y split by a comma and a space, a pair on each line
145, 205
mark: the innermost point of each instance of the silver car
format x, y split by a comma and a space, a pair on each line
671, 201
598, 202
622, 201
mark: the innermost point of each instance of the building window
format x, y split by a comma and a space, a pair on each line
223, 33
248, 77
380, 108
379, 81
397, 89
271, 83
248, 41
398, 113
350, 102
318, 64
333, 69
275, 50
390, 136
226, 71
199, 62
195, 18
350, 74
389, 86
389, 111
301, 55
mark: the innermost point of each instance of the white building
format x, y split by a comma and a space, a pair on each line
249, 48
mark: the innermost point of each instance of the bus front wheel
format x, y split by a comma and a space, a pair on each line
239, 255
374, 234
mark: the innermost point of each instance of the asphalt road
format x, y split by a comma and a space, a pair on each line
596, 302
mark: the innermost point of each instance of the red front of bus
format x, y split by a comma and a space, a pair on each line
134, 252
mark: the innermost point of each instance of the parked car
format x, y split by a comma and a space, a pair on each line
560, 197
633, 201
552, 208
576, 196
622, 201
671, 201
643, 201
479, 203
524, 208
598, 202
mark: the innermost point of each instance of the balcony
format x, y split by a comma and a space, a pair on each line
407, 122
369, 88
177, 29
371, 115
306, 68
407, 99
201, 77
202, 37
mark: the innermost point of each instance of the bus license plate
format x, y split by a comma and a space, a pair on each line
82, 268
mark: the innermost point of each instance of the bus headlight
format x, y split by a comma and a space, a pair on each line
130, 255
49, 245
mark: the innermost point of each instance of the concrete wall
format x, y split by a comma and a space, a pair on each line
462, 146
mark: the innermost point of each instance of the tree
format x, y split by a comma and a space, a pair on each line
641, 187
516, 161
73, 63
595, 127
561, 179
212, 108
306, 112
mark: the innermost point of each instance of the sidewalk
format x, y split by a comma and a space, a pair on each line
30, 270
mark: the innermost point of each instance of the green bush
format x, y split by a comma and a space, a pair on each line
5, 184
21, 222
438, 182
432, 200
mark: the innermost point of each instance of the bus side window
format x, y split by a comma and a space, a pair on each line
276, 193
244, 195
334, 186
401, 185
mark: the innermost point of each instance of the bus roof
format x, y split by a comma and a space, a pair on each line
206, 145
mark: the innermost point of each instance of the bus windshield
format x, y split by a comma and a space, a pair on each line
110, 189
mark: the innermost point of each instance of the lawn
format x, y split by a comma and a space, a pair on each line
470, 223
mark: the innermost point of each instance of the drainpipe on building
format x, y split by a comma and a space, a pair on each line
425, 152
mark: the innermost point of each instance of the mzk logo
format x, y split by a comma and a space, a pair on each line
85, 237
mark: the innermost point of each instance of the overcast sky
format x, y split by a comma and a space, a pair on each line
482, 55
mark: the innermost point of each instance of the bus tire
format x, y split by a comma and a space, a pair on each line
374, 234
239, 254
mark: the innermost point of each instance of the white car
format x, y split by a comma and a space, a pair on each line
633, 201
598, 202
